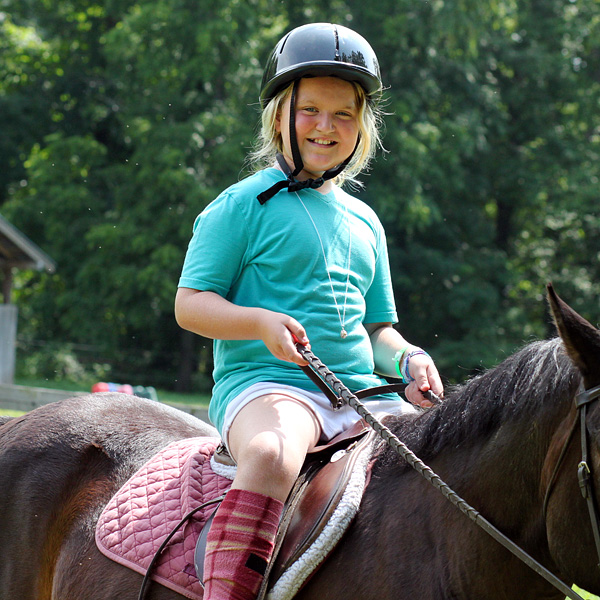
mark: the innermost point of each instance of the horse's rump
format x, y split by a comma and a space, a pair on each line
59, 465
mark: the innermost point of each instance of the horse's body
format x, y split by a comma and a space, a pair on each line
494, 440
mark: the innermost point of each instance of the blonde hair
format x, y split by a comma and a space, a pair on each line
269, 140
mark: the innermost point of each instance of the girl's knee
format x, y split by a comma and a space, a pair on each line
265, 466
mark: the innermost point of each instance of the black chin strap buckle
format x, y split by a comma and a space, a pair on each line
296, 186
291, 183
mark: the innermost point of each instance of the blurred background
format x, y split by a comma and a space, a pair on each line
120, 120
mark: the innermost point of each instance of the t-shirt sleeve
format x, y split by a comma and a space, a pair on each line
216, 251
379, 298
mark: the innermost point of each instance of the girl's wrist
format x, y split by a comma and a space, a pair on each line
402, 360
398, 357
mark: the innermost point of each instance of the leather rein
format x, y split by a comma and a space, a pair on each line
340, 395
584, 471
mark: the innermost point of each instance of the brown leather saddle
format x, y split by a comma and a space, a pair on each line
312, 501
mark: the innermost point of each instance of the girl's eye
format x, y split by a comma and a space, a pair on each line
344, 114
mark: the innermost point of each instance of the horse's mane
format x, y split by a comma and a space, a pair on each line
519, 387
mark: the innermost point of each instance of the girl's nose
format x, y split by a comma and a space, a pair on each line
325, 122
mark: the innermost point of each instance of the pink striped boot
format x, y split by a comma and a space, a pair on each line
239, 545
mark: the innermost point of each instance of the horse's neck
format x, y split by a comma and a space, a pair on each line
500, 478
411, 528
504, 473
501, 475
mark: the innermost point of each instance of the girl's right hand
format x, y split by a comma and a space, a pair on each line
277, 331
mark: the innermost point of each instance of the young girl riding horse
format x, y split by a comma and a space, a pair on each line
287, 256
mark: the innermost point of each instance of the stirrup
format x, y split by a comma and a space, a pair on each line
200, 551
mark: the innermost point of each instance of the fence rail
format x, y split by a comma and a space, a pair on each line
26, 398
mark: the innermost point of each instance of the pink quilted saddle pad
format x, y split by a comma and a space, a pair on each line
149, 506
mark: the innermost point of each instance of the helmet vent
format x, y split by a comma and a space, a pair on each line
337, 43
283, 43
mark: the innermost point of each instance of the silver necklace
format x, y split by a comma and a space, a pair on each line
342, 313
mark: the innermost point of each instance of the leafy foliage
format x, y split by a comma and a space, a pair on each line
121, 120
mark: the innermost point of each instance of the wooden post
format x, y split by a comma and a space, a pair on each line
8, 341
6, 284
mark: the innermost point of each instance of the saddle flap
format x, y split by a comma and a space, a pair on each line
312, 504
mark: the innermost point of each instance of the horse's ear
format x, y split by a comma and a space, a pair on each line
581, 338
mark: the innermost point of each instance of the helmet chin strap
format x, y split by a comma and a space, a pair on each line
291, 183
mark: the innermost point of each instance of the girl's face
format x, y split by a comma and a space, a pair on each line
326, 124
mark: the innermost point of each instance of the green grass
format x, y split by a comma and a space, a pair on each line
53, 385
10, 413
178, 398
584, 594
163, 395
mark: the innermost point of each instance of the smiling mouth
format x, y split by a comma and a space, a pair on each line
322, 142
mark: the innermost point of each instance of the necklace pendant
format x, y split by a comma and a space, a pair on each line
343, 333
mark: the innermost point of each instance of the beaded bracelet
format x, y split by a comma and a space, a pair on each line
406, 376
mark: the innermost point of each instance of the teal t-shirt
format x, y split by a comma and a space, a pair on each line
271, 256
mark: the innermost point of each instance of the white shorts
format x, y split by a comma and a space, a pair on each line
332, 422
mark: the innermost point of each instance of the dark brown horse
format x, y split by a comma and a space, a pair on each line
495, 440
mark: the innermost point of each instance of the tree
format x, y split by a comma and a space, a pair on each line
482, 129
123, 120
155, 115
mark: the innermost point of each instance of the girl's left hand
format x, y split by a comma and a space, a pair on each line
426, 375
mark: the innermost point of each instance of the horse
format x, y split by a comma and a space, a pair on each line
496, 440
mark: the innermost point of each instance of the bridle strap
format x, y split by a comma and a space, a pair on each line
345, 396
584, 472
582, 399
587, 396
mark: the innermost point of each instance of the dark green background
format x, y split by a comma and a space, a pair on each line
120, 121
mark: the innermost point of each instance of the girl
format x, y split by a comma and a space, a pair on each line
286, 254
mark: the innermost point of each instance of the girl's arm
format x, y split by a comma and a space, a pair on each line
212, 316
386, 342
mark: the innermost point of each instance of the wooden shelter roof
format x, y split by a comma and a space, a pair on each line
17, 250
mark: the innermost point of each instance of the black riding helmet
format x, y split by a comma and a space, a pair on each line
320, 50
316, 50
